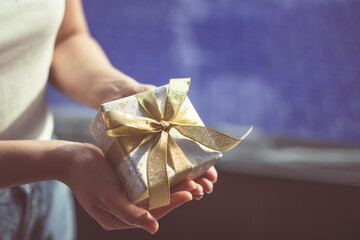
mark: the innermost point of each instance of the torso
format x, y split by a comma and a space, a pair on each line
28, 30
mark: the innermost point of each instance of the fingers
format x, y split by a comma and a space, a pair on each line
206, 184
211, 175
198, 192
188, 185
176, 200
130, 214
120, 213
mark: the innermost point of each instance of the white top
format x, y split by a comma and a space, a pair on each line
28, 30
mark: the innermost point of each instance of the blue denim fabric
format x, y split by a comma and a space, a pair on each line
37, 211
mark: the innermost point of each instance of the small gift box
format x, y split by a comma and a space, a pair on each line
155, 140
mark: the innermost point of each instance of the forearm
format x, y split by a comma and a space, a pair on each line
27, 161
81, 70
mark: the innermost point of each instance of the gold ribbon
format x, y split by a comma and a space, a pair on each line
132, 131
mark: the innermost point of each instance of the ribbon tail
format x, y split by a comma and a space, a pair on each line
158, 182
209, 137
179, 162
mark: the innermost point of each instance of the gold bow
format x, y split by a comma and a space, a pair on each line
132, 131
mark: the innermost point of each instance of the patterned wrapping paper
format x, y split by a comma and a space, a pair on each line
132, 170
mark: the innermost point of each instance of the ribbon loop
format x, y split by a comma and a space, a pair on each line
177, 91
122, 124
148, 102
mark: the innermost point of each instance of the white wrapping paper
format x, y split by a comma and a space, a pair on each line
132, 170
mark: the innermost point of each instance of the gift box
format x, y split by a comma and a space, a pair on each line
156, 139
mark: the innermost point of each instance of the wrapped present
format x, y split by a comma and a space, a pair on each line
155, 139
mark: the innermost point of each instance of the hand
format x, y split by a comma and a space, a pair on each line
118, 85
99, 192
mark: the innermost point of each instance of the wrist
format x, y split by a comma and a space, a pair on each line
62, 156
111, 86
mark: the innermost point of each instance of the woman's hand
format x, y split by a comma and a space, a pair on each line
98, 190
115, 85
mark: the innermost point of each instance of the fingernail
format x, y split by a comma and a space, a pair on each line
197, 192
198, 196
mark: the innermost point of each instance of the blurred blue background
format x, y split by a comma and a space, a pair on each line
288, 67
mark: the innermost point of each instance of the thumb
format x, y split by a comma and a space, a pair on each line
177, 199
145, 87
133, 215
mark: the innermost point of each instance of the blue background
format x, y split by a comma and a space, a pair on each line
288, 67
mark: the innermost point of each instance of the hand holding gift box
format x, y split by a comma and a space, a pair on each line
156, 138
